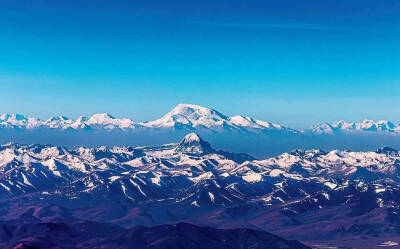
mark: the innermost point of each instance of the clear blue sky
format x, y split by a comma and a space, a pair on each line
293, 62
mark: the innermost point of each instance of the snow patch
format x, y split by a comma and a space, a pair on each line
389, 243
211, 197
252, 177
331, 185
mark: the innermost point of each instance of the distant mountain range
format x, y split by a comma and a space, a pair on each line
364, 126
191, 117
235, 133
336, 198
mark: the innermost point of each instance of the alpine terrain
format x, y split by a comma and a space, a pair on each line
197, 196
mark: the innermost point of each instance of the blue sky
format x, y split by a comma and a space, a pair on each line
292, 62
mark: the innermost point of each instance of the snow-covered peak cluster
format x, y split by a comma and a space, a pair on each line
62, 122
242, 121
364, 126
103, 120
109, 122
339, 163
18, 120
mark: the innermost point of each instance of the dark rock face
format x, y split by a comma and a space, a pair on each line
387, 150
193, 144
101, 235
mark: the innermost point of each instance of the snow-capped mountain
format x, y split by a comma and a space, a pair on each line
194, 144
108, 122
187, 115
198, 117
18, 121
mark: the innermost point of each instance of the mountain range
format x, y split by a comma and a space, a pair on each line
320, 198
192, 117
183, 116
233, 133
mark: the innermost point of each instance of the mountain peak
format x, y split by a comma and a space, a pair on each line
189, 115
197, 112
100, 119
14, 117
186, 105
191, 138
192, 143
57, 118
109, 122
103, 116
